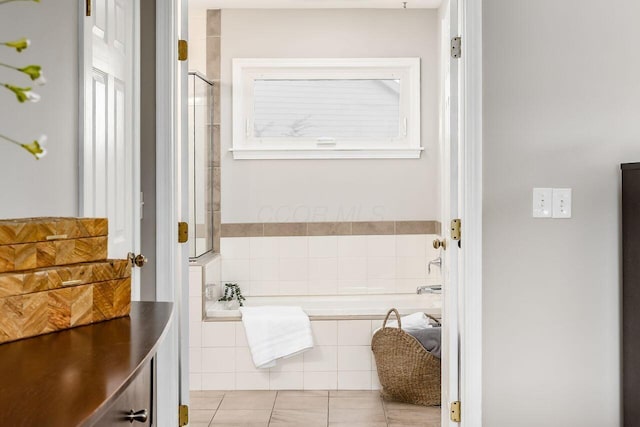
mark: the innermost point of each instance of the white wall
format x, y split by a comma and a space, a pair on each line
329, 190
562, 108
49, 186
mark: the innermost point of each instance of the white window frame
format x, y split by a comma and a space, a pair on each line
247, 70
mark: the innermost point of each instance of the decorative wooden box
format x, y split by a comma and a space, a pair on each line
54, 275
44, 242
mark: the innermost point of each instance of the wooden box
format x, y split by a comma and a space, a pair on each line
46, 279
54, 275
43, 242
28, 315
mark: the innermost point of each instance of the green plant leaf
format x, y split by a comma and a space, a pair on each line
19, 45
23, 94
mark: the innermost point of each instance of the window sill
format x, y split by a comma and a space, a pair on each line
325, 153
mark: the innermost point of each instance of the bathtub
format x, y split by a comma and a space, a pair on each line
339, 307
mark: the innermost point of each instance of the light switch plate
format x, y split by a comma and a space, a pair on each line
562, 203
542, 202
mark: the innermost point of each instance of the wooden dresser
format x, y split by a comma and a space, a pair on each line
97, 375
631, 294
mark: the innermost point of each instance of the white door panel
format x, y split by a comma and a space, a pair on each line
110, 148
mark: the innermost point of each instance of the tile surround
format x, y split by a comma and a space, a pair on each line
342, 359
330, 228
213, 70
328, 265
220, 358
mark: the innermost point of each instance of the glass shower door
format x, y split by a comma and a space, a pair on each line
200, 165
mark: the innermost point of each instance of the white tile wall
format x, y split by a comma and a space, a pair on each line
218, 334
220, 381
354, 380
264, 247
352, 246
326, 265
354, 358
218, 359
341, 359
354, 332
319, 265
323, 247
325, 332
320, 380
286, 380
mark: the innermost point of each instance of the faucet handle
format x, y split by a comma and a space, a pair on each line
437, 261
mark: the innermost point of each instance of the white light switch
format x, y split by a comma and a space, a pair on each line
542, 202
562, 203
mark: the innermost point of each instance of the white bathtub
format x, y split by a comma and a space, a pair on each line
340, 306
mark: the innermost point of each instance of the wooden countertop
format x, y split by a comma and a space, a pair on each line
70, 378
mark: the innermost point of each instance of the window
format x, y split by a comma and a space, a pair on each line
326, 108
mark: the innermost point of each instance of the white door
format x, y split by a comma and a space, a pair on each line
450, 210
183, 207
110, 150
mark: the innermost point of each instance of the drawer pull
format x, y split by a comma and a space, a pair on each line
140, 416
72, 282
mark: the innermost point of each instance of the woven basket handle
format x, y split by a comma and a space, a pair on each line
393, 310
434, 319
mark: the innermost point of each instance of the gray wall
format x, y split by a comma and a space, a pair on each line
561, 108
49, 186
326, 190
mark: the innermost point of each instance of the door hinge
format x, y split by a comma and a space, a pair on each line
183, 415
455, 412
87, 8
183, 232
456, 229
183, 50
456, 47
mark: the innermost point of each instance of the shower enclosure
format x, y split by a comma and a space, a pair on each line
200, 165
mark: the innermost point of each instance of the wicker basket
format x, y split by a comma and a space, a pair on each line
407, 372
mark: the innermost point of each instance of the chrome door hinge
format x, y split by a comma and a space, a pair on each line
455, 412
456, 47
183, 232
456, 229
87, 8
183, 415
183, 50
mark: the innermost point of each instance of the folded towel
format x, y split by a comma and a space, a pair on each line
275, 332
430, 338
412, 322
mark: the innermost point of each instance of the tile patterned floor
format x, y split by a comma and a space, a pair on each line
306, 409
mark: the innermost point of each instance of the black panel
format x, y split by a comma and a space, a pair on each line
631, 294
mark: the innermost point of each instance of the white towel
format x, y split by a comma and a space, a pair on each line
275, 332
411, 322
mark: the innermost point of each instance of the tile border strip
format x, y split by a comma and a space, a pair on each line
281, 229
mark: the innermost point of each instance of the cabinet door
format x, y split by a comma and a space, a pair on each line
137, 397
